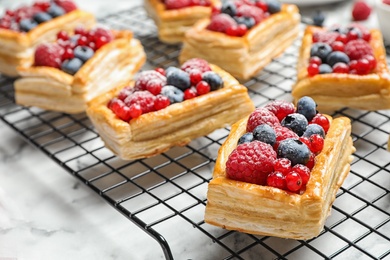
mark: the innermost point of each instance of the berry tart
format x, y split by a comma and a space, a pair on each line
278, 172
22, 29
174, 17
77, 67
168, 107
343, 66
243, 35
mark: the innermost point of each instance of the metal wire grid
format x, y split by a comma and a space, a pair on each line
166, 195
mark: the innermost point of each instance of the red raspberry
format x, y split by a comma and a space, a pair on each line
101, 34
387, 2
282, 165
67, 5
135, 110
177, 4
154, 86
326, 37
361, 11
161, 102
251, 162
356, 49
160, 70
125, 92
280, 108
261, 116
120, 109
195, 76
149, 75
196, 63
283, 133
251, 11
221, 22
143, 98
48, 54
200, 2
202, 88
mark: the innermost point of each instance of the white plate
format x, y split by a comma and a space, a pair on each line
310, 2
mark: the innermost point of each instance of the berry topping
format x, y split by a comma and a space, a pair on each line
340, 67
251, 162
149, 75
84, 53
303, 171
318, 18
71, 66
336, 57
48, 55
67, 5
161, 102
293, 181
357, 49
325, 69
143, 98
325, 36
274, 6
213, 79
196, 63
261, 116
249, 22
251, 11
321, 120
283, 133
55, 11
174, 94
296, 122
178, 78
190, 93
229, 8
245, 138
361, 10
120, 109
294, 150
277, 179
27, 25
313, 129
265, 134
320, 50
221, 22
280, 108
283, 165
203, 88
307, 107
42, 17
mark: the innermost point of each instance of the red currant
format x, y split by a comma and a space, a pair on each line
63, 35
101, 41
313, 69
161, 102
262, 5
337, 46
82, 41
342, 38
202, 88
315, 60
311, 162
293, 181
371, 60
306, 141
190, 93
282, 165
366, 35
241, 30
340, 67
321, 120
352, 35
363, 66
160, 70
353, 65
317, 143
303, 171
120, 109
135, 110
81, 31
277, 180
68, 54
195, 76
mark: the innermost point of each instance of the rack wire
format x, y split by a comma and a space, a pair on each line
166, 195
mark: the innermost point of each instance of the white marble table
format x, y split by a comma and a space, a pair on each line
47, 214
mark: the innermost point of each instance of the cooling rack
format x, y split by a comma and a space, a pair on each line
166, 195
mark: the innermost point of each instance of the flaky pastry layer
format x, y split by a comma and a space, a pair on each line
156, 132
49, 88
172, 24
243, 57
17, 48
264, 210
337, 90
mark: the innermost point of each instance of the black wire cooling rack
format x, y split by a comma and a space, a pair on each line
166, 195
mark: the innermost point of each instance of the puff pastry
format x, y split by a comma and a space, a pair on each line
176, 125
265, 210
17, 48
172, 24
244, 56
335, 90
53, 89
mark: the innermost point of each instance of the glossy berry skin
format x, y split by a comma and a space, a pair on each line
202, 88
325, 69
42, 17
174, 94
340, 68
321, 120
160, 70
321, 50
251, 11
296, 122
283, 133
213, 79
361, 10
195, 76
274, 6
293, 181
72, 66
314, 129
148, 75
249, 22
282, 165
177, 4
280, 108
303, 171
337, 46
27, 25
317, 143
120, 109
294, 150
277, 179
190, 93
48, 54
84, 53
178, 78
265, 134
260, 116
67, 5
55, 11
245, 138
154, 86
313, 69
337, 56
315, 60
307, 107
229, 8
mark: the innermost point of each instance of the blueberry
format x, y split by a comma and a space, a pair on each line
42, 17
313, 129
321, 50
178, 78
294, 150
274, 6
215, 81
84, 53
296, 122
72, 66
245, 138
249, 22
318, 18
337, 56
325, 68
265, 134
307, 107
27, 25
338, 29
229, 8
174, 94
55, 11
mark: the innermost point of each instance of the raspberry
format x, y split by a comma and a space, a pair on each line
283, 133
280, 108
48, 54
160, 70
120, 109
361, 11
196, 63
251, 162
143, 98
251, 11
125, 92
261, 116
101, 32
356, 49
148, 75
325, 37
177, 4
282, 165
221, 22
161, 102
154, 86
67, 5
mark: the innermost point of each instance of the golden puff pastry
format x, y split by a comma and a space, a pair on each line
53, 89
265, 210
337, 90
17, 48
172, 24
176, 125
245, 56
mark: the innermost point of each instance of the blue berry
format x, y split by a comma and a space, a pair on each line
72, 66
294, 150
318, 18
55, 11
27, 25
274, 6
313, 129
265, 133
337, 56
296, 122
174, 94
178, 78
249, 22
307, 107
325, 68
321, 50
84, 53
42, 17
215, 81
229, 8
245, 138
338, 29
